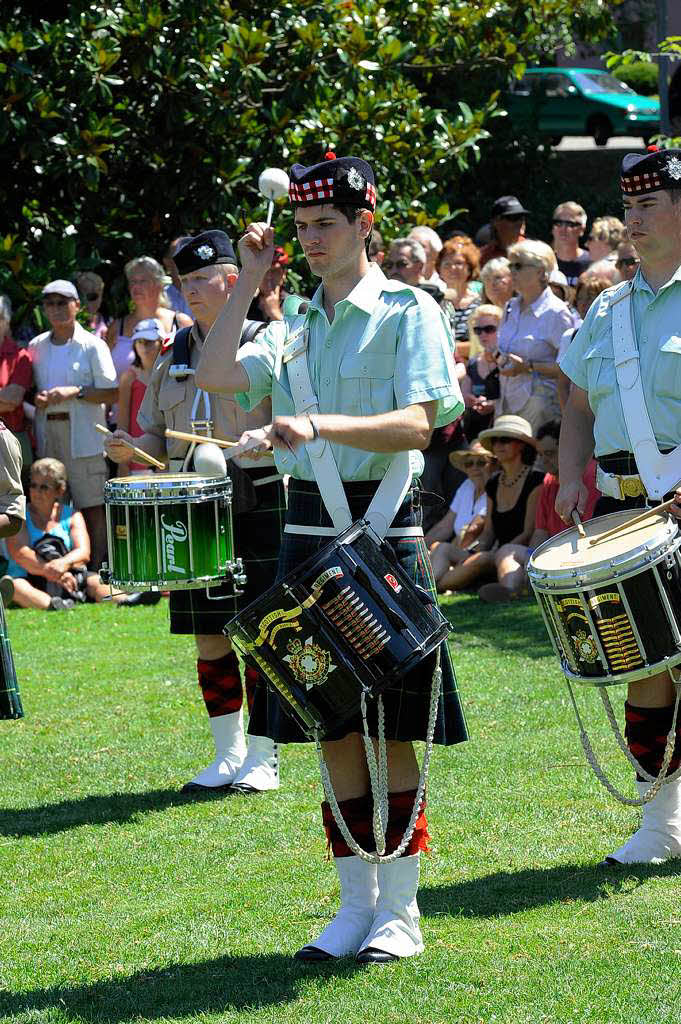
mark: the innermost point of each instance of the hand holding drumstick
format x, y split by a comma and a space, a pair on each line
119, 448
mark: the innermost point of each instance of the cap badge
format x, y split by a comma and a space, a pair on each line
674, 167
206, 253
355, 179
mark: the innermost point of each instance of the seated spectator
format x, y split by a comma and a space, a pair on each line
74, 377
173, 291
569, 222
497, 283
559, 286
512, 495
605, 235
49, 554
450, 540
406, 261
603, 268
91, 291
508, 227
588, 288
376, 247
146, 282
432, 245
529, 337
268, 302
512, 559
146, 340
16, 378
628, 260
480, 386
457, 265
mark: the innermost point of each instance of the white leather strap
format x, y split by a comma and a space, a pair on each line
393, 487
614, 485
330, 531
659, 473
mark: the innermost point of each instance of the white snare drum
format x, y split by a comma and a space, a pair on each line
612, 610
169, 531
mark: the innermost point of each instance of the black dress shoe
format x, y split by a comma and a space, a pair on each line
312, 955
195, 787
375, 956
140, 597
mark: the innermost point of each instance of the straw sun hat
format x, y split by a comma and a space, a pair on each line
459, 457
508, 426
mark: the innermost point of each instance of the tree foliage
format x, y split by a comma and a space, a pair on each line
132, 122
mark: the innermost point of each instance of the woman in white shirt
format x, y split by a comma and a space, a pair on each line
449, 540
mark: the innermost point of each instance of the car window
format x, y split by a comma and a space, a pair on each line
557, 85
590, 83
524, 86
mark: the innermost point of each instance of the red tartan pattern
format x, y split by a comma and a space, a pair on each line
646, 732
358, 815
220, 684
321, 190
635, 184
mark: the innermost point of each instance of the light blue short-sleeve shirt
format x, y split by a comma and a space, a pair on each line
590, 363
388, 346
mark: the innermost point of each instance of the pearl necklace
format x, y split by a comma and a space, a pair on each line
515, 480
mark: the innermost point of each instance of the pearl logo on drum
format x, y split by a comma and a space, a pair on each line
172, 534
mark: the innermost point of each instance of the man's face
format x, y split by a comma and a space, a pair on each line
401, 265
548, 449
206, 291
653, 225
60, 311
510, 228
566, 227
329, 242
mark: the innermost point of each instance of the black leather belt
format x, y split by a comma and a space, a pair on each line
623, 463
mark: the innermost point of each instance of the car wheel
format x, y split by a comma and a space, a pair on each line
601, 129
556, 140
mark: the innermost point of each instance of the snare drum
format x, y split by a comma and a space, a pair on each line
612, 609
169, 531
347, 621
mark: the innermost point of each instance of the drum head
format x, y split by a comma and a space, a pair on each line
158, 488
567, 554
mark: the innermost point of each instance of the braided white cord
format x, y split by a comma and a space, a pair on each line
378, 773
375, 858
598, 771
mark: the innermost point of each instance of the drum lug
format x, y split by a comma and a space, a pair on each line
105, 573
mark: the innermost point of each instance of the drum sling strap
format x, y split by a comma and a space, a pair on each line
380, 513
659, 473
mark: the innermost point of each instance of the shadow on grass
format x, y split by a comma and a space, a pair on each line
516, 627
210, 986
512, 892
95, 810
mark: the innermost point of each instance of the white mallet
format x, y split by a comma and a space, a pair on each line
273, 184
209, 460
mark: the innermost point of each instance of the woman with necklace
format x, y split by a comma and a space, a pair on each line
512, 495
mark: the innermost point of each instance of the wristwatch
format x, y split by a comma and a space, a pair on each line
81, 392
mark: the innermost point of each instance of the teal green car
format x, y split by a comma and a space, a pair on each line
580, 101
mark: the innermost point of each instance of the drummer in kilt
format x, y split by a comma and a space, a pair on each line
12, 518
379, 354
207, 267
594, 421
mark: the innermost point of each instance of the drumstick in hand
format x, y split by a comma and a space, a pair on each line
578, 523
180, 435
138, 451
633, 522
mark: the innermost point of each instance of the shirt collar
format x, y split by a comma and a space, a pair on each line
542, 302
363, 296
639, 282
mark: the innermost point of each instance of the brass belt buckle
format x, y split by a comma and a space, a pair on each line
630, 486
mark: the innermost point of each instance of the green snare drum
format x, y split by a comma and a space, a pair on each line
170, 531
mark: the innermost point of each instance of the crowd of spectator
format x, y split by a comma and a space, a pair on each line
513, 303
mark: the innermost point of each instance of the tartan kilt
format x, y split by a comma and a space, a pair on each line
10, 699
257, 536
407, 703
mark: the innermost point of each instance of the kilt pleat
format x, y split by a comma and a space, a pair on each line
407, 703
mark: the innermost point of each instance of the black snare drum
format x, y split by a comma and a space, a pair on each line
348, 621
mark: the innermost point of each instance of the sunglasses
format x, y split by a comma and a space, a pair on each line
56, 302
41, 487
474, 463
503, 440
485, 329
93, 296
519, 266
515, 218
147, 341
558, 223
389, 264
628, 261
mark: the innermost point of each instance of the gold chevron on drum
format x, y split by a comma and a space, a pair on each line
356, 622
619, 643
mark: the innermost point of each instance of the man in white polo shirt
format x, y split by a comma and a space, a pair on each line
75, 377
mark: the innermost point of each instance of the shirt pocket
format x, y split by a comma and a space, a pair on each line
171, 399
369, 379
80, 374
667, 375
599, 362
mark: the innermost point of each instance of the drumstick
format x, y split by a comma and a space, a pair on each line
633, 522
578, 523
138, 451
200, 438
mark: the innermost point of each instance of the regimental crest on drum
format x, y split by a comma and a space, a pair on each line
310, 664
585, 647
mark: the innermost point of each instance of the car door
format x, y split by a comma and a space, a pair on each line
561, 110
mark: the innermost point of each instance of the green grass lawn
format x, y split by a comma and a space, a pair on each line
123, 901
